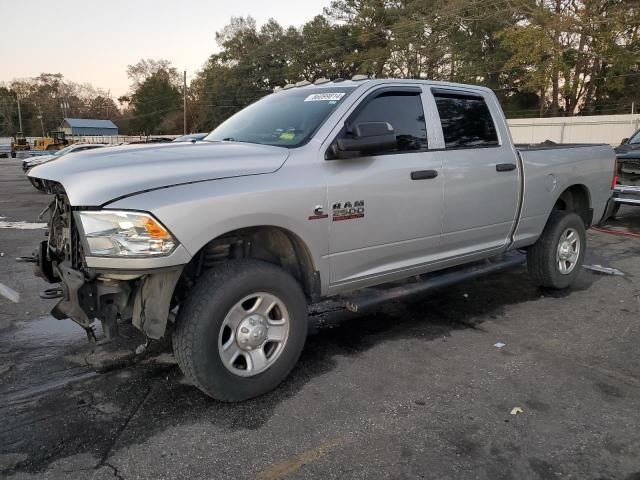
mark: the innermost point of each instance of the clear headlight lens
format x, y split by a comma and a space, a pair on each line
114, 233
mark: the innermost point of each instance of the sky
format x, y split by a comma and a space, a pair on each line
92, 41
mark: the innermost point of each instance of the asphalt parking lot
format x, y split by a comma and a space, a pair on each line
415, 388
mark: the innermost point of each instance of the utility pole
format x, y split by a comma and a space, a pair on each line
41, 124
64, 105
19, 114
633, 106
184, 103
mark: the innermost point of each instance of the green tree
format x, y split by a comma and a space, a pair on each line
370, 23
153, 98
8, 112
575, 52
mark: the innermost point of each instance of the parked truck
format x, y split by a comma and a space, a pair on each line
627, 189
315, 191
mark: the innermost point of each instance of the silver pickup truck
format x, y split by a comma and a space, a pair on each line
311, 192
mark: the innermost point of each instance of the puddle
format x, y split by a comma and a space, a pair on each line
35, 352
48, 331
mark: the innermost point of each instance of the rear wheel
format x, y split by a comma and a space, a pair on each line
241, 330
554, 261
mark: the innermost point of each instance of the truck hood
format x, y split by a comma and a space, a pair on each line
627, 147
96, 177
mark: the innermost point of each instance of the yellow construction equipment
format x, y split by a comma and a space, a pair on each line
56, 140
19, 144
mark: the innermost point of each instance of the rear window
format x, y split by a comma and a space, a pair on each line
466, 121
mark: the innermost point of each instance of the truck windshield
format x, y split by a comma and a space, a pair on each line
64, 151
635, 138
284, 119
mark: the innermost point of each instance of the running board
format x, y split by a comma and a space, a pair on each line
369, 297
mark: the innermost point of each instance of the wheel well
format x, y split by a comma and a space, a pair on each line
577, 199
267, 243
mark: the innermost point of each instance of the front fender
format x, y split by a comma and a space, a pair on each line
198, 213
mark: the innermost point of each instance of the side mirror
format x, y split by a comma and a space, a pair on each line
624, 140
369, 136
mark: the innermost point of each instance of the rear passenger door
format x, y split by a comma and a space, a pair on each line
480, 173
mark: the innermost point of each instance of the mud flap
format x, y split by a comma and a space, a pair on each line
152, 302
608, 211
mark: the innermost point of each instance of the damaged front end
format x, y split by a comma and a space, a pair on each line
80, 246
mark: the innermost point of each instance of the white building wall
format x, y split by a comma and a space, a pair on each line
595, 129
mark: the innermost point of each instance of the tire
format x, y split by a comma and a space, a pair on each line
546, 260
208, 324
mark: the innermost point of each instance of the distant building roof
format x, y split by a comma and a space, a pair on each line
89, 123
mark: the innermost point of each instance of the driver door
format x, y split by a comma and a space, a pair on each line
387, 204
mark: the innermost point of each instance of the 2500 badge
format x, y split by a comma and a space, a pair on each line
348, 210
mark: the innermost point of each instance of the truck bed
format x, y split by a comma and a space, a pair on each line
549, 169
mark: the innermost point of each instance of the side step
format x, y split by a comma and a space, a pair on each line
369, 297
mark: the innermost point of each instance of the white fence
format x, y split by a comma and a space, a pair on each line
596, 129
114, 139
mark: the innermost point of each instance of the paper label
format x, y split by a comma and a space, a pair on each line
324, 97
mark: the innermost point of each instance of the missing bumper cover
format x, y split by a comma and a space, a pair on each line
146, 301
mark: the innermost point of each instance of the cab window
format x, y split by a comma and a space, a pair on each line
403, 112
466, 121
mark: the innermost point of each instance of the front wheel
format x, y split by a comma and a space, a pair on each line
241, 330
554, 261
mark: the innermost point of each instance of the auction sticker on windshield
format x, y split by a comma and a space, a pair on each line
324, 97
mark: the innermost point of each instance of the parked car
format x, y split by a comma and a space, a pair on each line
5, 150
29, 163
311, 192
192, 137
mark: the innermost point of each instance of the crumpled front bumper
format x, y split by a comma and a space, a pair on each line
142, 296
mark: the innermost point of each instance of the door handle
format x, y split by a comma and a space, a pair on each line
424, 174
505, 167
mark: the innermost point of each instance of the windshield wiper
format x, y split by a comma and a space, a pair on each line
232, 139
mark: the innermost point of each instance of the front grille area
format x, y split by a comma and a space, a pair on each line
76, 255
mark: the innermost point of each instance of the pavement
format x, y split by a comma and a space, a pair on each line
415, 388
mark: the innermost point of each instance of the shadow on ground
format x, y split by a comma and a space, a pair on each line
128, 405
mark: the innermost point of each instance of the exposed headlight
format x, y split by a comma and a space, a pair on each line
114, 233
